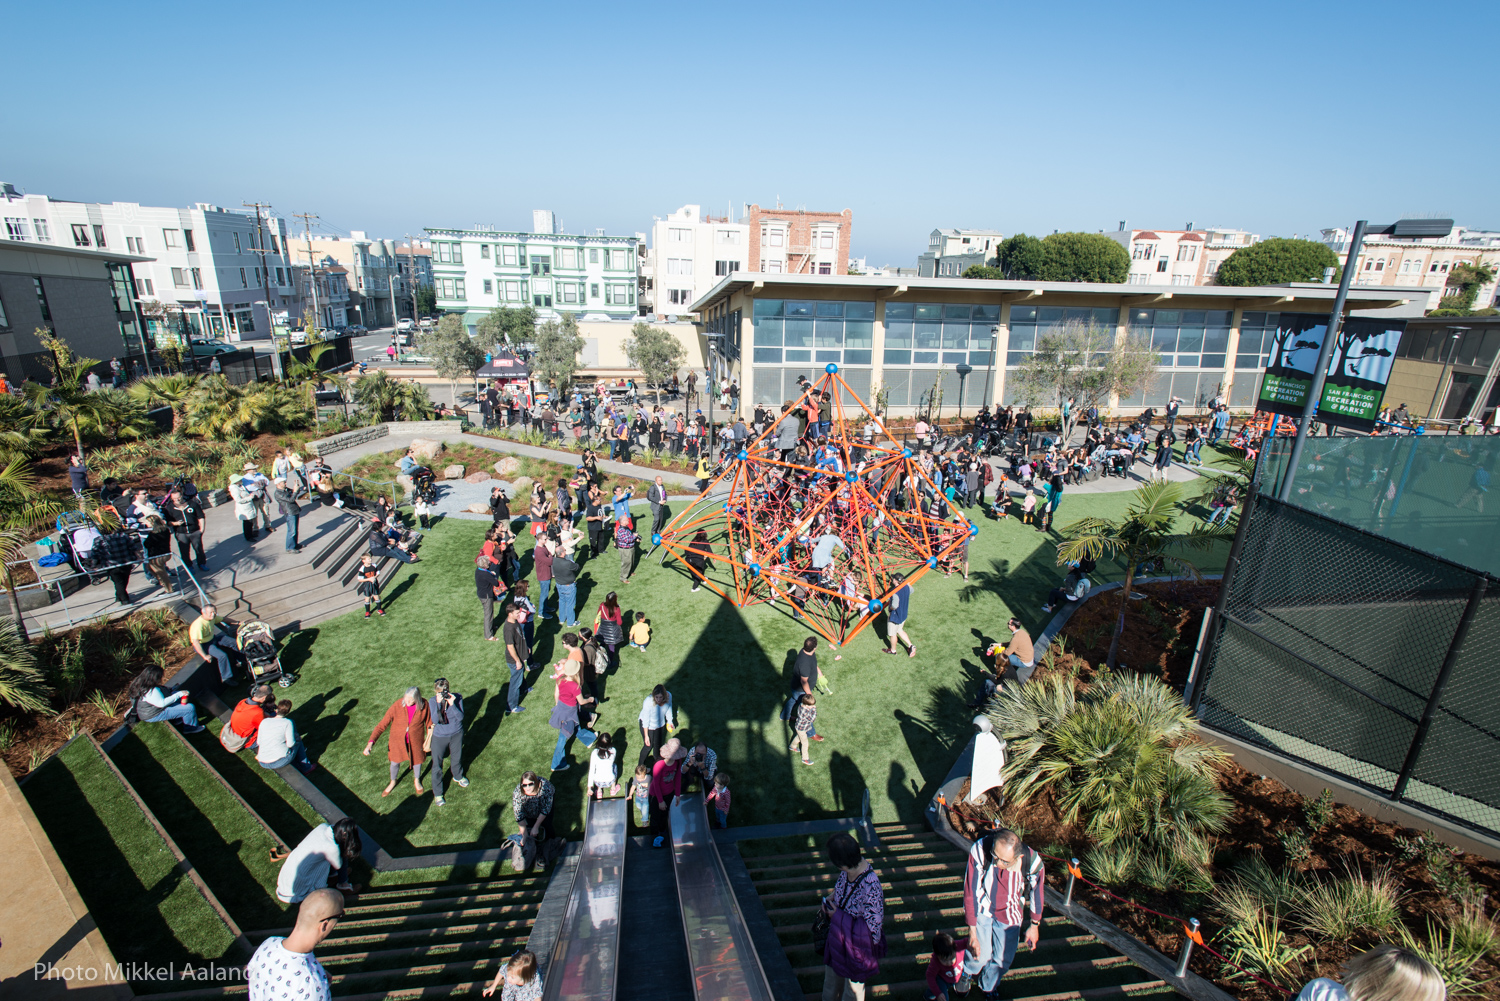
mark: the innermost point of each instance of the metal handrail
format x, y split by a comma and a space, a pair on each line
178, 567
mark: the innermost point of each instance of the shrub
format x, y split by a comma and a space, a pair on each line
1318, 812
1111, 865
1454, 955
1351, 906
1254, 890
1260, 947
1123, 759
22, 684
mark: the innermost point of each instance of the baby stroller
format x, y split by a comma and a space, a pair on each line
81, 539
258, 645
424, 484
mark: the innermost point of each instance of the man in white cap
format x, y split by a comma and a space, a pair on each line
259, 489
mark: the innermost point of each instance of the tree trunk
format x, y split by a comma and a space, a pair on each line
15, 605
1114, 643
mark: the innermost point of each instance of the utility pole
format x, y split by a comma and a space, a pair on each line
312, 271
260, 246
411, 247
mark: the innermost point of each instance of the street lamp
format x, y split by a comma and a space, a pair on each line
963, 372
712, 350
1452, 350
990, 372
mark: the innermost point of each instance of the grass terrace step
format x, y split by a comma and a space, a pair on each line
418, 890
458, 902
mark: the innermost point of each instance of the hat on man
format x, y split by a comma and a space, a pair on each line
249, 466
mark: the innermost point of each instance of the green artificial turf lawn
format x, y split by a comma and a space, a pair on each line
893, 724
148, 910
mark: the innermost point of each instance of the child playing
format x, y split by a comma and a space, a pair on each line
945, 968
802, 722
521, 979
604, 772
369, 584
640, 791
1028, 507
640, 633
423, 511
718, 799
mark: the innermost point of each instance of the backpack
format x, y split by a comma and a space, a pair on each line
1031, 867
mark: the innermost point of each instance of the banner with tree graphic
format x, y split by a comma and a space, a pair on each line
1294, 356
1358, 369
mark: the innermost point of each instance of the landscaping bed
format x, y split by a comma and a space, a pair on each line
1288, 886
662, 460
88, 670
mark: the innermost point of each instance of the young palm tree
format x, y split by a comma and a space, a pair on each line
383, 396
21, 508
65, 403
173, 390
1147, 534
21, 681
220, 410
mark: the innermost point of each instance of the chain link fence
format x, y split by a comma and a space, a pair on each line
1357, 653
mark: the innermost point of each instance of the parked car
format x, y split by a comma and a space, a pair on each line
427, 323
358, 328
203, 347
403, 337
405, 323
298, 336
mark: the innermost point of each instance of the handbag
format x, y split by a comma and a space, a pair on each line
427, 740
850, 950
823, 921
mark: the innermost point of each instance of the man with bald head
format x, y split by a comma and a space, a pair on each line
285, 969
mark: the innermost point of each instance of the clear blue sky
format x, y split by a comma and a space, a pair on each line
1276, 117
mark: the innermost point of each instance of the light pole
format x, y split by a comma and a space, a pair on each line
963, 373
989, 373
1452, 350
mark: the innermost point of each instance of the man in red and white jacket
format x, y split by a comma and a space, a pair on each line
1003, 879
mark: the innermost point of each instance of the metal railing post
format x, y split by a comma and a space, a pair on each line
1068, 897
1187, 948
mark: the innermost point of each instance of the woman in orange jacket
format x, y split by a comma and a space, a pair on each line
407, 720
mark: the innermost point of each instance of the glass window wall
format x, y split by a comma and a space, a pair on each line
813, 332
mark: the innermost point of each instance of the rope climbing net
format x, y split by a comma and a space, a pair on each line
833, 530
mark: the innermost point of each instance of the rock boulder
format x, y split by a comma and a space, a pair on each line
454, 472
508, 465
477, 477
426, 449
478, 509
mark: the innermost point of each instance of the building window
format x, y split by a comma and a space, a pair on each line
179, 277
98, 236
773, 237
569, 292
1212, 268
679, 266
541, 264
43, 233
508, 256
4, 322
484, 253
280, 276
197, 275
726, 267
445, 287
680, 235
1187, 252
541, 301
237, 248
1144, 251
15, 229
593, 255
567, 257
1138, 278
771, 267
594, 290
679, 296
41, 299
729, 236
80, 235
1182, 279
827, 237
826, 268
488, 286
1161, 265
143, 287
168, 236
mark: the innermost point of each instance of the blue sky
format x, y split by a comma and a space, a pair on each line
1276, 117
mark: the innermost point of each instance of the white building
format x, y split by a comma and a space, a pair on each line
1179, 256
478, 270
208, 268
951, 252
687, 254
1419, 252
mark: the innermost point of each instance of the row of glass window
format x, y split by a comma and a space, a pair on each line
775, 386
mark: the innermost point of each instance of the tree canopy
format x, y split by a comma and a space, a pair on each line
557, 347
656, 352
508, 328
1276, 261
426, 300
1060, 257
454, 354
1087, 363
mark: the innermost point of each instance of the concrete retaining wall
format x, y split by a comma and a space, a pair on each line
339, 442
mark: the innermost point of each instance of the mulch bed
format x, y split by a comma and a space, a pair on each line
111, 654
1160, 634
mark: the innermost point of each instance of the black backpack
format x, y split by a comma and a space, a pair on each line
1031, 867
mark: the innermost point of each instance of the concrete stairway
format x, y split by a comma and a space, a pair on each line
923, 878
307, 588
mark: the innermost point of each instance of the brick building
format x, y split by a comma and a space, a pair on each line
797, 242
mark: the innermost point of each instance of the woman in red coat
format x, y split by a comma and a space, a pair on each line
407, 721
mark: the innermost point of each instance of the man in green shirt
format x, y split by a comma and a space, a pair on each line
203, 634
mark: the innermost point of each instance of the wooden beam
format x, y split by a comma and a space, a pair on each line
757, 287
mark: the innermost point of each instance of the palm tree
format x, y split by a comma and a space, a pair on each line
381, 395
1147, 534
220, 410
173, 390
65, 403
21, 508
21, 681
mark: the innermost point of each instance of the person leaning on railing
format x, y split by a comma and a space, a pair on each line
1384, 973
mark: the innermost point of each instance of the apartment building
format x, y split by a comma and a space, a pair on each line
1419, 252
377, 286
323, 289
414, 263
951, 252
1179, 256
86, 296
213, 271
688, 252
798, 242
477, 270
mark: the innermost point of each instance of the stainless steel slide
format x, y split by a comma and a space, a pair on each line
586, 956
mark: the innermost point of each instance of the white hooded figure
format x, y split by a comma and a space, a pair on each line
989, 760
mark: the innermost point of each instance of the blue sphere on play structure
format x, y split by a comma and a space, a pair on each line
830, 368
851, 477
743, 455
755, 569
726, 505
973, 529
906, 453
932, 562
874, 606
656, 538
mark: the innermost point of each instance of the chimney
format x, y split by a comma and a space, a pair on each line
1190, 227
1122, 225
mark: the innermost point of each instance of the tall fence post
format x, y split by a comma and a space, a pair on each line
1476, 595
1216, 633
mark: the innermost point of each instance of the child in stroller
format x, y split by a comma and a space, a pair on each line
257, 643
